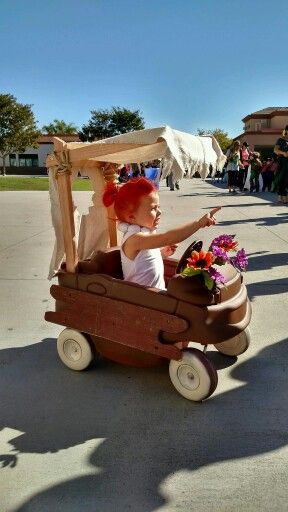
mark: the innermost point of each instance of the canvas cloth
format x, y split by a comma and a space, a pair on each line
179, 151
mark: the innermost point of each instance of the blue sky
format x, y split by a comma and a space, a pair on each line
190, 64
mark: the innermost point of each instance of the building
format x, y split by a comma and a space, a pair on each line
263, 128
32, 161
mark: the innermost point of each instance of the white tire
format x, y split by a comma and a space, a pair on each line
194, 376
74, 349
235, 346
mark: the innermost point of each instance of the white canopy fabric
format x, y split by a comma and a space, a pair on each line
180, 153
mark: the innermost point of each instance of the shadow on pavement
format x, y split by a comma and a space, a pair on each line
274, 220
150, 431
268, 261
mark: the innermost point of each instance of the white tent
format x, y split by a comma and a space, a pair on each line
179, 153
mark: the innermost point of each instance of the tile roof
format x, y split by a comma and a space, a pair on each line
265, 112
269, 110
46, 138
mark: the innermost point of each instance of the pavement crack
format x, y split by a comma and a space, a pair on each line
24, 240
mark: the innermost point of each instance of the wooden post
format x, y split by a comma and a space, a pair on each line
109, 172
112, 226
63, 175
68, 227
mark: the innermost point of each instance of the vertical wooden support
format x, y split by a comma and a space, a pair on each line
63, 176
112, 226
109, 172
66, 206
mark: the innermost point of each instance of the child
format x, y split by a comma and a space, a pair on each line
256, 166
137, 207
233, 165
267, 174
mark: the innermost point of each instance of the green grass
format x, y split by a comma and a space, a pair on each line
10, 183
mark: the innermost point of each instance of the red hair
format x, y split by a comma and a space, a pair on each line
126, 198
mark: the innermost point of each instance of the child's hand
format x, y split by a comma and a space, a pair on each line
208, 219
168, 250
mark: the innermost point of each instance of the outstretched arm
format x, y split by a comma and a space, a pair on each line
141, 241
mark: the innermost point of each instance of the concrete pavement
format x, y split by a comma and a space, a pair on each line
121, 439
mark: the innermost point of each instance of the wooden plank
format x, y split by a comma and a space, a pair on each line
110, 174
68, 227
135, 326
98, 150
112, 226
130, 336
112, 152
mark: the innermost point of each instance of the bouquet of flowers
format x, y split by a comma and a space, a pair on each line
200, 263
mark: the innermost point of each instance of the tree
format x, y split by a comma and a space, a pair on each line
59, 126
107, 123
18, 128
221, 136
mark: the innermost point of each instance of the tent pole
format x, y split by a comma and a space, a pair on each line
66, 206
63, 177
109, 172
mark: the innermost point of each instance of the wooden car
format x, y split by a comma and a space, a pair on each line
140, 326
128, 323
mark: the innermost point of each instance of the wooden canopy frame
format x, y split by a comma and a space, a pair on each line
179, 150
61, 163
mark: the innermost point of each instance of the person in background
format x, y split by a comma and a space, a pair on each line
135, 170
281, 176
267, 175
256, 166
172, 183
123, 174
243, 171
233, 165
274, 165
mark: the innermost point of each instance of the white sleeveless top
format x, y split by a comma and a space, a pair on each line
147, 268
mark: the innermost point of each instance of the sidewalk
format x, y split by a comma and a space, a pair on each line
118, 439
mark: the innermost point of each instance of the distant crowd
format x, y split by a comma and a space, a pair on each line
247, 171
151, 170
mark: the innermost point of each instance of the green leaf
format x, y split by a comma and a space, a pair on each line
191, 272
209, 282
219, 261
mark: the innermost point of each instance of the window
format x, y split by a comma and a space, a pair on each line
12, 161
28, 161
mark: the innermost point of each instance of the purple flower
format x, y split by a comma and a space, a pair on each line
217, 276
240, 261
224, 242
219, 253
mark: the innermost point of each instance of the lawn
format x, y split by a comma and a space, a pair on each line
12, 183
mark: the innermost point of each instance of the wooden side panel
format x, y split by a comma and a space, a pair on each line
121, 322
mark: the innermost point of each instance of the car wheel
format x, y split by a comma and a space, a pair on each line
194, 376
74, 349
